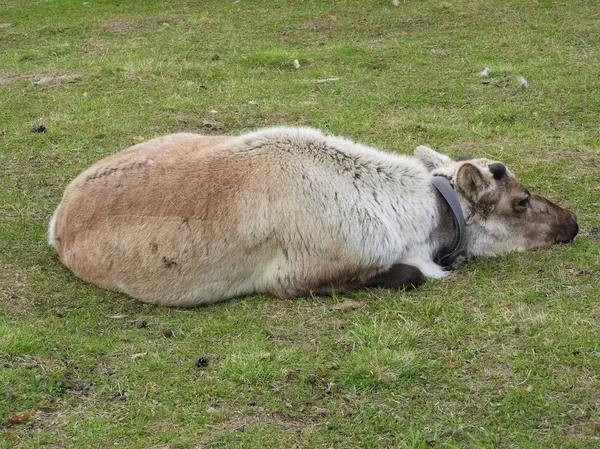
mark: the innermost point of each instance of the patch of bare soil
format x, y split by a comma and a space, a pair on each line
593, 233
174, 18
41, 78
238, 421
121, 26
12, 298
564, 155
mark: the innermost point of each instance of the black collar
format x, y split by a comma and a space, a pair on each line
446, 257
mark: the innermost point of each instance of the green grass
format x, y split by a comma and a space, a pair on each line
504, 353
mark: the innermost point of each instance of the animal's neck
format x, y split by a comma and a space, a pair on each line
444, 233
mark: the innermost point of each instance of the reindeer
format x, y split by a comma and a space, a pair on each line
185, 220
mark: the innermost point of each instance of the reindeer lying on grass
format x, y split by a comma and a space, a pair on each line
184, 220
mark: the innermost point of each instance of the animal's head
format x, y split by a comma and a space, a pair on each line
501, 214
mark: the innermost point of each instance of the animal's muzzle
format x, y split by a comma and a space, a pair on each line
573, 229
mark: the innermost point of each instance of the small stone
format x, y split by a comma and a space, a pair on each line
212, 124
264, 356
522, 82
168, 333
484, 73
348, 304
296, 64
39, 129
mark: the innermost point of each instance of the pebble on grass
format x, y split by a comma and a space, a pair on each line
484, 73
522, 82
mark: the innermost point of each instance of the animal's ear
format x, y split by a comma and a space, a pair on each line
431, 158
472, 182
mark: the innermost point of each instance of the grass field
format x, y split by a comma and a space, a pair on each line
504, 353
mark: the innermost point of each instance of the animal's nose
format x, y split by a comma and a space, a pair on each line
574, 227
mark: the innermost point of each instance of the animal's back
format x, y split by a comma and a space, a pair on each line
188, 219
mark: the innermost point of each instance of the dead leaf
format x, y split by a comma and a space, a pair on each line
452, 365
115, 317
20, 418
288, 373
46, 408
5, 25
139, 355
502, 84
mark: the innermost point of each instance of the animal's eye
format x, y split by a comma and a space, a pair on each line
523, 203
